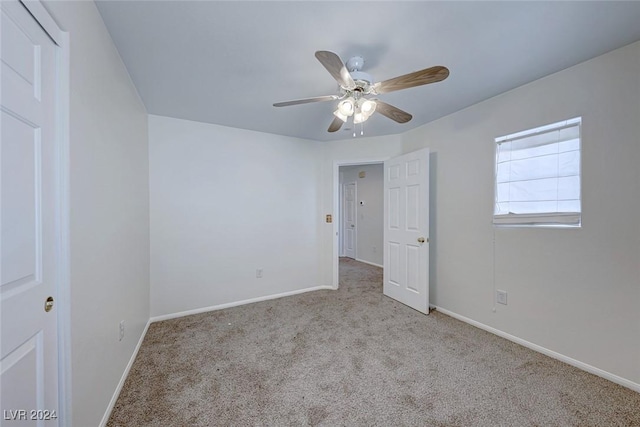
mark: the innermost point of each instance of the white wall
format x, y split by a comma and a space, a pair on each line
576, 291
109, 195
369, 231
225, 202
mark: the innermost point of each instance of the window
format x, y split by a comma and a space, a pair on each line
538, 176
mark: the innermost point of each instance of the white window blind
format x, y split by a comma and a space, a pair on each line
538, 176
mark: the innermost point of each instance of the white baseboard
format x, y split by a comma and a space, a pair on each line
369, 262
236, 303
561, 357
112, 403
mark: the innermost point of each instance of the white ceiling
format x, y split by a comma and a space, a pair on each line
227, 62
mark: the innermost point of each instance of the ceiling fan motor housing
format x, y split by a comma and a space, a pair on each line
354, 65
361, 76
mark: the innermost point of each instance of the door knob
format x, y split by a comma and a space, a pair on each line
352, 225
48, 304
420, 239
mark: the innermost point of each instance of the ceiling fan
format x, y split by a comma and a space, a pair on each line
357, 89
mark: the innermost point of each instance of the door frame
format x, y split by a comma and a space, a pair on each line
62, 214
336, 207
339, 219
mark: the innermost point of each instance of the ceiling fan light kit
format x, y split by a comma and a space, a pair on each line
356, 86
361, 109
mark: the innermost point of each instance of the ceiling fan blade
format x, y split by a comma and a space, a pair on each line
417, 78
335, 125
336, 68
306, 100
395, 114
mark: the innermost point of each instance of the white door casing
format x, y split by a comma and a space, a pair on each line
28, 251
340, 216
406, 229
350, 228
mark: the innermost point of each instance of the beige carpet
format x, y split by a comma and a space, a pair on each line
354, 357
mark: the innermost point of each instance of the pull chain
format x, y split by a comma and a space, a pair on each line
353, 121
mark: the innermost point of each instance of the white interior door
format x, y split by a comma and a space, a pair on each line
406, 229
28, 267
350, 240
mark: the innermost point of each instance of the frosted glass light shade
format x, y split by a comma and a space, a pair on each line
339, 115
346, 106
367, 107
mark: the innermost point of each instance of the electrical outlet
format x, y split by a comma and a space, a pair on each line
375, 249
121, 331
259, 273
501, 297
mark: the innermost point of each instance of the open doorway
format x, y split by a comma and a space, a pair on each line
359, 193
404, 226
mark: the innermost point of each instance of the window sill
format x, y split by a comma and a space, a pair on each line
551, 220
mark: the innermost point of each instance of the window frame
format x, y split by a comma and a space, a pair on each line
544, 219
